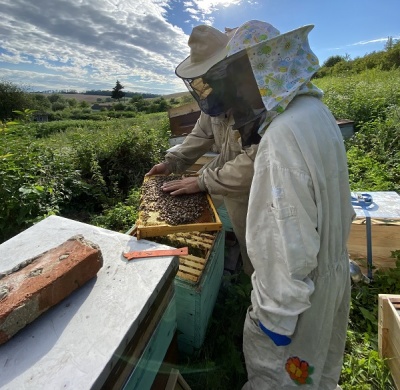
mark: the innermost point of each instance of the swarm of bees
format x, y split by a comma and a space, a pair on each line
174, 210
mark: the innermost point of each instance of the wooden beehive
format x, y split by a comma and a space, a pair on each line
182, 119
389, 333
197, 284
385, 239
149, 223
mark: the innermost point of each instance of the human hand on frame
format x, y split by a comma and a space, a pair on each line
159, 169
186, 185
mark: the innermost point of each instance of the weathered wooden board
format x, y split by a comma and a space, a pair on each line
389, 333
385, 239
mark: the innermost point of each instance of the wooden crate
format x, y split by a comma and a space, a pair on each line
389, 333
182, 119
385, 236
196, 299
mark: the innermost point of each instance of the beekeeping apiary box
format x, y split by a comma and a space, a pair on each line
389, 333
197, 283
384, 215
161, 214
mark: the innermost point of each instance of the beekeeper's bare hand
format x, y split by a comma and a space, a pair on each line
159, 169
186, 185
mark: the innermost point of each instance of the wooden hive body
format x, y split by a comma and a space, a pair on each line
389, 333
197, 284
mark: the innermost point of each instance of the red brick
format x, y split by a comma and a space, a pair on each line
44, 281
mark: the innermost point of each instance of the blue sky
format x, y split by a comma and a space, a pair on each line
89, 44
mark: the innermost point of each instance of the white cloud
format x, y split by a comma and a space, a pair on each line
378, 40
90, 44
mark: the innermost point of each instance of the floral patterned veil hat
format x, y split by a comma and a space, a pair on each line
282, 64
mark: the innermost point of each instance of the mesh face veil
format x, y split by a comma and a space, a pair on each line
214, 92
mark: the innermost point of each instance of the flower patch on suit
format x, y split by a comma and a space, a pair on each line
299, 370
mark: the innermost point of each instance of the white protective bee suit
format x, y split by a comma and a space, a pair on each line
298, 220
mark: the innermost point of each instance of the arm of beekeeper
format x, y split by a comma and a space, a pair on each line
196, 143
282, 242
234, 178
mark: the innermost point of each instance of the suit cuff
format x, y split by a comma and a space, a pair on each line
279, 339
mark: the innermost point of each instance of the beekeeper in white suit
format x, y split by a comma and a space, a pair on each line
229, 175
298, 220
299, 212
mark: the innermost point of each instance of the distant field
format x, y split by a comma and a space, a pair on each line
81, 96
93, 98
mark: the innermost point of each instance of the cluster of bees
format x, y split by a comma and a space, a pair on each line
174, 210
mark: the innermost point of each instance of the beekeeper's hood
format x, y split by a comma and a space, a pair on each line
282, 64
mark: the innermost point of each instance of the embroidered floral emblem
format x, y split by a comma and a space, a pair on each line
299, 370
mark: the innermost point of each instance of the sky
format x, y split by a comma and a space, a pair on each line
90, 44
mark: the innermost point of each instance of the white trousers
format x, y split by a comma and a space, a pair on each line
313, 360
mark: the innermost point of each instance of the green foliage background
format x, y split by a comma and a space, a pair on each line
76, 169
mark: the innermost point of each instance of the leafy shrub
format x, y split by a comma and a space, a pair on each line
34, 183
120, 217
363, 97
362, 367
74, 168
374, 154
113, 162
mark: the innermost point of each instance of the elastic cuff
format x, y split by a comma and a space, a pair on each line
279, 339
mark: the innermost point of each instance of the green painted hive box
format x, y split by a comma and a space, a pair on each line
197, 284
150, 361
195, 299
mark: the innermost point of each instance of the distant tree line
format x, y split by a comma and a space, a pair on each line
57, 106
100, 93
385, 60
127, 94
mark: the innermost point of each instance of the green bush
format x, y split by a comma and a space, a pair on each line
120, 217
74, 168
374, 154
34, 183
363, 97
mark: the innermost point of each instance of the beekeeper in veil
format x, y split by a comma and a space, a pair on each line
299, 209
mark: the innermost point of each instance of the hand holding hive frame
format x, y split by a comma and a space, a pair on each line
161, 213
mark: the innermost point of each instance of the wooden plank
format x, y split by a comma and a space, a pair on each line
197, 262
385, 239
188, 277
189, 270
183, 110
389, 333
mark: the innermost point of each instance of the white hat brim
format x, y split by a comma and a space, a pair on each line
187, 70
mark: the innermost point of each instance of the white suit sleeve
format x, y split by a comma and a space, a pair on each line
234, 178
282, 240
196, 143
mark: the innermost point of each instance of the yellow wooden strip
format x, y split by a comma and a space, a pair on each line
193, 259
186, 276
191, 264
189, 270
